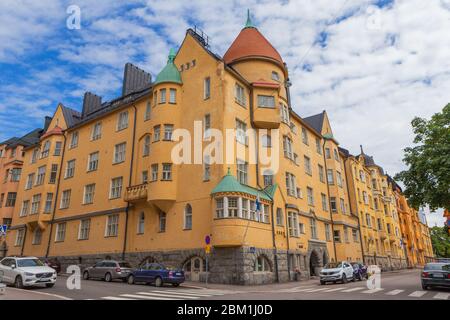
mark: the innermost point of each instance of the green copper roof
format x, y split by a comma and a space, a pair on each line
170, 72
249, 23
230, 184
330, 136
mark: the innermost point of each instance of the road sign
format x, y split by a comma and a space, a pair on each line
208, 249
208, 240
3, 229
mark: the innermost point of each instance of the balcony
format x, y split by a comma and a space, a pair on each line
136, 193
267, 118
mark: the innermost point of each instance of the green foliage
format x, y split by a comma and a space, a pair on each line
440, 241
427, 181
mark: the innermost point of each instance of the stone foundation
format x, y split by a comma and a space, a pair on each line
386, 263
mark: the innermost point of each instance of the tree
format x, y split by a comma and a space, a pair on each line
427, 181
440, 241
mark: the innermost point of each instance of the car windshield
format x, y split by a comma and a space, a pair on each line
29, 263
333, 265
437, 267
124, 265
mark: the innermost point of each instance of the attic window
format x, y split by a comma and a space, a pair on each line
275, 76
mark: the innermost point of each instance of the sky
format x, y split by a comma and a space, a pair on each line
374, 65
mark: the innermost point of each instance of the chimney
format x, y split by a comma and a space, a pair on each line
91, 103
47, 122
134, 79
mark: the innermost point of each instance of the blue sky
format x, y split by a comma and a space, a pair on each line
372, 64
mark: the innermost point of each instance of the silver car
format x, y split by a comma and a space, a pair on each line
26, 272
108, 270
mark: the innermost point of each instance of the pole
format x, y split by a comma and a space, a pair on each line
207, 270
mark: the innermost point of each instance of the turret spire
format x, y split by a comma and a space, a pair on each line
249, 23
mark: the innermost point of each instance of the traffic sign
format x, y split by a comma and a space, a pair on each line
207, 239
208, 249
3, 229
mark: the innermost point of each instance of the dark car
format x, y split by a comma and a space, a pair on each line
158, 274
55, 264
359, 271
436, 275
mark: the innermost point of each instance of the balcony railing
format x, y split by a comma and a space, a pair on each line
135, 193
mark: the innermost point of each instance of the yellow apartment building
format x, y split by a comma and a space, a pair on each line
120, 180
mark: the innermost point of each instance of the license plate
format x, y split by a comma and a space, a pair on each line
178, 274
438, 275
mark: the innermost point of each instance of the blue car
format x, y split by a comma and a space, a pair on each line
158, 274
359, 271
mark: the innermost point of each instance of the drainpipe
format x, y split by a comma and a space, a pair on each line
357, 213
56, 195
329, 199
129, 183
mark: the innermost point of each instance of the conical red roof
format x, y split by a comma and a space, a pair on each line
251, 43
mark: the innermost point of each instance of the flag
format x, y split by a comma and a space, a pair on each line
258, 207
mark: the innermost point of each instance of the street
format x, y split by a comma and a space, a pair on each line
402, 285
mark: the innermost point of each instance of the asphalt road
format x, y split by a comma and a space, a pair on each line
404, 285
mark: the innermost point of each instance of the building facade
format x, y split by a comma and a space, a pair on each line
108, 182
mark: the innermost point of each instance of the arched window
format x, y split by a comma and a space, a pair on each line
146, 150
188, 217
262, 264
141, 223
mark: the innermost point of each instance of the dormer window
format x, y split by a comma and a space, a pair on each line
275, 76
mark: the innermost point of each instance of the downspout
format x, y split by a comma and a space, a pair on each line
56, 196
329, 199
357, 212
129, 183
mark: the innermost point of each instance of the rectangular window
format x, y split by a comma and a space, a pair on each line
53, 174
35, 204
25, 208
155, 98
284, 113
83, 232
291, 185
65, 199
268, 178
310, 195
336, 155
93, 162
11, 199
162, 96
20, 235
154, 172
275, 76
167, 172
327, 153
242, 170
280, 217
122, 122
330, 176
146, 147
119, 152
355, 235
240, 95
148, 111
266, 101
219, 208
321, 174
15, 174
287, 148
116, 188
89, 192
207, 126
308, 165
333, 204
35, 155
48, 203
304, 136
313, 228
337, 236
2, 197
168, 130
74, 140
232, 207
172, 96
324, 202
339, 179
45, 150
37, 237
342, 203
156, 133
70, 169
346, 239
96, 131
207, 88
144, 176
293, 224
327, 232
206, 168
318, 146
40, 176
60, 232
112, 226
162, 221
241, 132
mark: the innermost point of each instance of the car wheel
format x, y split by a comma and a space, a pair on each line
18, 283
49, 285
175, 284
86, 275
158, 282
108, 277
344, 278
130, 279
424, 287
353, 278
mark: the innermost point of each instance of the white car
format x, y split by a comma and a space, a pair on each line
26, 272
337, 271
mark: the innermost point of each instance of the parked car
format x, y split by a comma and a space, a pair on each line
158, 274
108, 270
26, 272
337, 271
359, 271
436, 274
54, 264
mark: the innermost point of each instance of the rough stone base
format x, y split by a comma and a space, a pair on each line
386, 263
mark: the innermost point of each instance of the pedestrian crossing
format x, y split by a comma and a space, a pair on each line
170, 294
368, 292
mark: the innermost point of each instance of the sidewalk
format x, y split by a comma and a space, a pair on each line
27, 294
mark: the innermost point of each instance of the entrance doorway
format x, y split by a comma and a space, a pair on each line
314, 263
193, 267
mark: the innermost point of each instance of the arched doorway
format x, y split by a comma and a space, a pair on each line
314, 263
193, 267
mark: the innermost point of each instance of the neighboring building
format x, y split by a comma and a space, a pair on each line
103, 183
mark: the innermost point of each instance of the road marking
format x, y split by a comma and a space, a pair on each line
146, 297
43, 293
115, 298
183, 293
373, 290
334, 289
394, 292
202, 292
442, 295
153, 293
315, 290
354, 289
417, 294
